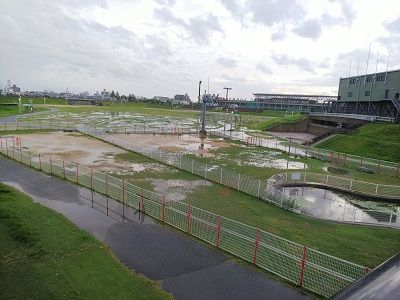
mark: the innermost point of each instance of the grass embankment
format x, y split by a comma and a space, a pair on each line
375, 140
25, 100
45, 256
265, 120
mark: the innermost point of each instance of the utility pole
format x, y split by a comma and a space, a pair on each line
227, 90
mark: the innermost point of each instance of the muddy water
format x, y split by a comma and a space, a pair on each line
178, 190
333, 205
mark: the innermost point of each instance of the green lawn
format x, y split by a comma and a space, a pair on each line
45, 256
375, 140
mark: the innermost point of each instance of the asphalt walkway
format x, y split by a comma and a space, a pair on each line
185, 268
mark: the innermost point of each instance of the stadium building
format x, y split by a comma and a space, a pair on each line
374, 94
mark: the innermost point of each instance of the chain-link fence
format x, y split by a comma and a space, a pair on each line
316, 271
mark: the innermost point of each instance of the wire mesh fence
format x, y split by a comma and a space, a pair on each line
267, 189
362, 163
316, 271
335, 209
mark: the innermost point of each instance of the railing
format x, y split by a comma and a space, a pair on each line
311, 269
355, 116
264, 190
335, 209
373, 165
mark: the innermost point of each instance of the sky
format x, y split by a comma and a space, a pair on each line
164, 47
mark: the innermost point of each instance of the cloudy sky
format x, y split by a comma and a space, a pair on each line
164, 47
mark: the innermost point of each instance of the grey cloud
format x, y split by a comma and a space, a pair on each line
166, 2
309, 29
270, 12
199, 28
301, 63
393, 26
227, 62
263, 68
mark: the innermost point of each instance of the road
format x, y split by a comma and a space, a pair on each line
185, 268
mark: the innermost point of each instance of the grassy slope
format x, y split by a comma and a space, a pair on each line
44, 256
375, 140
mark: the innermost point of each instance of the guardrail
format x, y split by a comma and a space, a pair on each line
310, 269
335, 209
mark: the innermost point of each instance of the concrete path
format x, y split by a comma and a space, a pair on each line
184, 267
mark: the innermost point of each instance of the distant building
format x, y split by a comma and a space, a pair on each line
105, 95
181, 100
162, 99
371, 94
11, 89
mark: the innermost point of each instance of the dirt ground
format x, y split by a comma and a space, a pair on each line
185, 144
73, 147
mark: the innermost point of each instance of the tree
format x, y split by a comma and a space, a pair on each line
117, 95
112, 94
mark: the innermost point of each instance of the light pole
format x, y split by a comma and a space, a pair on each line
227, 90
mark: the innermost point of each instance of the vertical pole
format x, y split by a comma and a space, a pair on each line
51, 166
221, 176
30, 158
91, 183
302, 265
188, 219
390, 219
256, 245
123, 199
259, 187
218, 243
142, 205
64, 168
77, 173
163, 209
238, 182
107, 192
180, 161
376, 190
40, 163
192, 166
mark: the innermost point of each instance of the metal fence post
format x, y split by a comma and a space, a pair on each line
192, 166
123, 199
376, 190
51, 166
238, 183
77, 173
163, 209
30, 158
256, 246
188, 219
64, 168
259, 187
218, 243
302, 266
180, 161
390, 219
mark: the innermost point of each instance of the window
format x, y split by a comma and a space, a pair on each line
380, 77
369, 78
350, 94
387, 94
367, 93
397, 95
353, 80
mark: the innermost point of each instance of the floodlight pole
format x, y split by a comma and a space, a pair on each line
227, 90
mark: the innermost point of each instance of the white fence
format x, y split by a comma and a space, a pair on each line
335, 209
265, 190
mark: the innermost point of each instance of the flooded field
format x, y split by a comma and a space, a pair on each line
334, 205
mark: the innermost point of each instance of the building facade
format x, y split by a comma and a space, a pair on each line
375, 94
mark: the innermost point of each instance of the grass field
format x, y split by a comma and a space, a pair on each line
375, 140
44, 256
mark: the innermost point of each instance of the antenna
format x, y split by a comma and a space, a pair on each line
366, 69
387, 66
358, 67
376, 67
348, 81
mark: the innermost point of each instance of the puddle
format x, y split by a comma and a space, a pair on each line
177, 190
334, 205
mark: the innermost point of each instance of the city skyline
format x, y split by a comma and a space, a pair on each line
165, 47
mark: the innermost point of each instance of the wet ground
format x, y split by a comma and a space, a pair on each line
327, 204
183, 266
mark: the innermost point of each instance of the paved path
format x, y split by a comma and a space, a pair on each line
14, 117
184, 267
